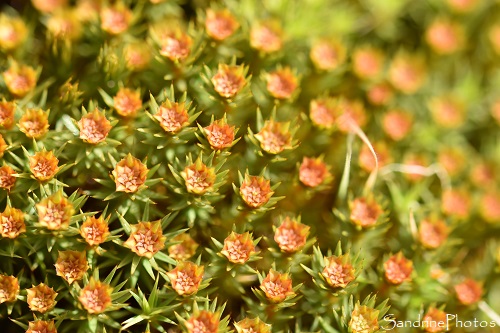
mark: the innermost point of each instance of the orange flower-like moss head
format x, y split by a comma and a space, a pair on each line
277, 286
12, 223
456, 202
351, 112
365, 212
203, 322
447, 111
380, 93
275, 137
229, 80
48, 6
327, 55
137, 56
266, 37
146, 239
367, 160
397, 124
94, 230
367, 62
7, 110
7, 178
116, 19
71, 265
20, 79
9, 288
94, 127
43, 165
127, 102
489, 205
220, 24
186, 278
444, 36
282, 83
130, 175
338, 271
238, 247
398, 269
323, 112
172, 117
13, 32
95, 297
434, 321
255, 191
364, 319
313, 172
185, 249
432, 233
254, 325
65, 25
407, 73
219, 134
291, 235
41, 298
176, 46
469, 291
198, 177
34, 123
55, 212
41, 326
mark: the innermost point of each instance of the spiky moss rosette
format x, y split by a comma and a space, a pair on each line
249, 166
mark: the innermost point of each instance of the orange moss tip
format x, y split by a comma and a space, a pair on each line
95, 297
203, 321
447, 111
172, 117
220, 24
365, 212
229, 80
398, 269
94, 127
291, 235
127, 102
34, 123
364, 319
456, 203
282, 83
489, 206
185, 249
338, 271
94, 230
407, 73
277, 286
367, 160
367, 62
43, 165
220, 135
255, 191
327, 55
146, 239
13, 32
130, 174
238, 248
64, 25
266, 37
71, 265
55, 212
176, 46
380, 94
434, 321
41, 326
12, 223
7, 178
275, 137
186, 278
49, 6
469, 291
198, 177
41, 298
397, 124
9, 288
115, 19
20, 79
445, 36
7, 110
350, 113
313, 172
254, 325
137, 56
433, 233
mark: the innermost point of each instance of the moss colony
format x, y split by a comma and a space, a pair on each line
249, 166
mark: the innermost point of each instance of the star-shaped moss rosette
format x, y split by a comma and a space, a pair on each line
314, 174
188, 279
147, 243
358, 317
170, 120
130, 178
97, 299
218, 136
256, 194
273, 138
205, 315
